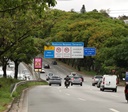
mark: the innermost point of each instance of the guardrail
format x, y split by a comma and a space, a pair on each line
14, 86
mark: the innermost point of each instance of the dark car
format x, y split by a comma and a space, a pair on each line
96, 78
54, 63
55, 80
46, 66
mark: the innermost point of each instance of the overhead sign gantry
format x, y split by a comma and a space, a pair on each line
64, 50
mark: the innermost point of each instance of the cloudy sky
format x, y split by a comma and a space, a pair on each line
116, 7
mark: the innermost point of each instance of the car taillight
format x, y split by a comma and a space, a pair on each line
117, 81
72, 78
80, 79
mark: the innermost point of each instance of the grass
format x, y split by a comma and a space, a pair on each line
6, 87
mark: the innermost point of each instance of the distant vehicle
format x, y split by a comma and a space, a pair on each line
81, 77
21, 78
42, 70
109, 82
49, 75
11, 65
55, 80
70, 76
54, 63
46, 66
96, 78
73, 73
26, 74
76, 80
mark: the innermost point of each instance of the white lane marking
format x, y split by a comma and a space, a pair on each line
114, 110
67, 94
114, 95
81, 99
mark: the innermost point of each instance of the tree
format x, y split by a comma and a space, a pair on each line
13, 14
19, 20
83, 10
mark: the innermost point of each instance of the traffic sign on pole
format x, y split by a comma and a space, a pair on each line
67, 52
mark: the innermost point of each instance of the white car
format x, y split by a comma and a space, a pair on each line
42, 70
109, 82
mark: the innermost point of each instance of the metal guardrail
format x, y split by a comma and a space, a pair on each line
14, 86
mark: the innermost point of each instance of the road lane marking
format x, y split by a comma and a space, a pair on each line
114, 95
82, 99
114, 110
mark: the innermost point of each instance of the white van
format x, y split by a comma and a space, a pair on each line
109, 82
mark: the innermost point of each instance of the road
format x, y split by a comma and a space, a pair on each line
86, 98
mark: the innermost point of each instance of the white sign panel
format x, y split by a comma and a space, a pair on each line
66, 52
58, 52
77, 52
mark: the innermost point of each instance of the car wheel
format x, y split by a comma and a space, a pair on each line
115, 90
93, 84
49, 84
59, 84
101, 89
71, 84
81, 84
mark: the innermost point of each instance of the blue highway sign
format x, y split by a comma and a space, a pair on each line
89, 51
49, 54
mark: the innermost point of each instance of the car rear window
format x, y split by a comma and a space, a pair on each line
98, 76
50, 74
76, 77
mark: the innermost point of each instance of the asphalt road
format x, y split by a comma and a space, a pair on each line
86, 98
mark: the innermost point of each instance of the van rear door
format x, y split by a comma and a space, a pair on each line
110, 81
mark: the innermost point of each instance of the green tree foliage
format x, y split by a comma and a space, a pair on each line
95, 29
20, 20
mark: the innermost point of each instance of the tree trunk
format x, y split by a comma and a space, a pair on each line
16, 69
78, 66
4, 71
73, 61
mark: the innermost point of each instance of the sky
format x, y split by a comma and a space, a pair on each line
116, 7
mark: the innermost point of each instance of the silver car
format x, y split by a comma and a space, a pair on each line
49, 75
55, 80
76, 80
96, 78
